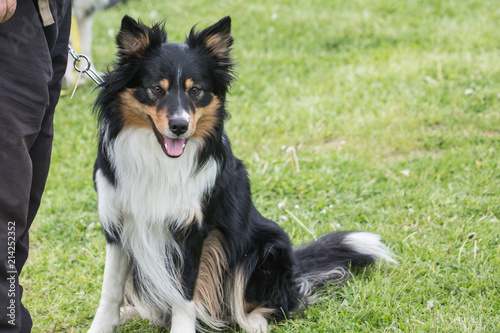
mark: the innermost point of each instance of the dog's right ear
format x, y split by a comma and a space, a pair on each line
135, 38
216, 40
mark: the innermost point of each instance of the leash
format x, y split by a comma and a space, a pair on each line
83, 69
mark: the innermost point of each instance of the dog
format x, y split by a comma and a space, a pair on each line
185, 245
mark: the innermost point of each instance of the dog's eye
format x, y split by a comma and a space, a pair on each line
157, 89
194, 91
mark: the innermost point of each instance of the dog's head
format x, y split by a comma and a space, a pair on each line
176, 90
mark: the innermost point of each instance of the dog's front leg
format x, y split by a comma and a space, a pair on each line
184, 316
116, 269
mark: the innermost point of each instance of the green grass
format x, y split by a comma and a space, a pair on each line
372, 96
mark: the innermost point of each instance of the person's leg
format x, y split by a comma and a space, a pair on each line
40, 152
24, 97
30, 74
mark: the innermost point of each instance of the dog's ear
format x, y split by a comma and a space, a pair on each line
135, 38
216, 40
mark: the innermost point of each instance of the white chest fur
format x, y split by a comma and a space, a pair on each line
154, 187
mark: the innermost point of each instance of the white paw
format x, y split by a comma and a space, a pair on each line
104, 323
106, 328
256, 323
184, 318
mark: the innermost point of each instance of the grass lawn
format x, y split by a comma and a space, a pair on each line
393, 109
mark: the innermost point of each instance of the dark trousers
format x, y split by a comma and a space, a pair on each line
32, 63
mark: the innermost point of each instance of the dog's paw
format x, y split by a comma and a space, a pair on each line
128, 313
102, 329
256, 323
104, 324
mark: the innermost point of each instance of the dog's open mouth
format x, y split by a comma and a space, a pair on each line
174, 147
170, 146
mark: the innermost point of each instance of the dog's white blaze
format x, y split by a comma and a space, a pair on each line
181, 114
154, 195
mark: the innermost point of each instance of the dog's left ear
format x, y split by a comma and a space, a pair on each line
216, 40
135, 38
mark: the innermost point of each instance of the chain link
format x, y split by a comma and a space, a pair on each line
84, 69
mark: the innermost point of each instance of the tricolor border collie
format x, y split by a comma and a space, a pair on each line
186, 247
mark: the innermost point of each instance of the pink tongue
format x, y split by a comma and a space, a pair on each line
174, 146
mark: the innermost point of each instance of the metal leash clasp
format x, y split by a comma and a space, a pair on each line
83, 69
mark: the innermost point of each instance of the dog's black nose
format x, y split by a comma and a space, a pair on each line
178, 126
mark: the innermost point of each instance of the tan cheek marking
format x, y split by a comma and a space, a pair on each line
135, 114
192, 123
206, 118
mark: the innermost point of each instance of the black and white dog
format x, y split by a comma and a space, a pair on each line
186, 247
